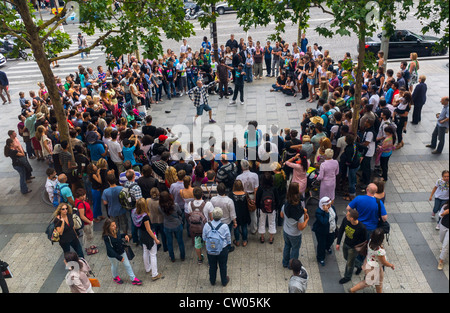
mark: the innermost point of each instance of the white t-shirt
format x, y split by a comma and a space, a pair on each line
442, 190
184, 48
341, 144
368, 136
181, 67
114, 148
206, 210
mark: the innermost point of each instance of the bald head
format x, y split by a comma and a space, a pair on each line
62, 178
371, 189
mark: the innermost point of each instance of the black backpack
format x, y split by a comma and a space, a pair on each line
267, 204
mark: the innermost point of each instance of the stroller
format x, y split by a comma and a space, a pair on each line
313, 185
131, 113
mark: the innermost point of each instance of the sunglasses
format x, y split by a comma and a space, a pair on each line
65, 208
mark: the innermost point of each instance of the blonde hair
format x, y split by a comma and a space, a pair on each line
102, 163
171, 175
108, 131
278, 168
414, 56
40, 132
141, 206
58, 209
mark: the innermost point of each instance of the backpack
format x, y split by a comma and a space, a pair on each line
125, 198
230, 176
214, 242
51, 232
57, 196
267, 201
196, 218
76, 216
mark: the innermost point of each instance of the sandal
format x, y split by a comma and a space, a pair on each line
261, 239
93, 247
91, 251
271, 240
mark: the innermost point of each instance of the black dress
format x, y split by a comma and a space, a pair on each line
144, 236
241, 208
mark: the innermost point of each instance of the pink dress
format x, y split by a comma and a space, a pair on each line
328, 171
299, 175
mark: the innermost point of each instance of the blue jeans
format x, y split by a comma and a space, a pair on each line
97, 202
158, 91
291, 248
438, 203
352, 181
159, 229
276, 88
248, 74
241, 229
171, 87
115, 263
178, 232
82, 53
190, 82
23, 178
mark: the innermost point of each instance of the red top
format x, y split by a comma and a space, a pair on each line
87, 209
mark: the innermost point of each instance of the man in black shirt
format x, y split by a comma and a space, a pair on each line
355, 233
222, 75
232, 43
239, 84
148, 128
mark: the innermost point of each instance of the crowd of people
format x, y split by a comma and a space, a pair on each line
136, 178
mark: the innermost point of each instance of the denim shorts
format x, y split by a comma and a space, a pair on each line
203, 107
311, 81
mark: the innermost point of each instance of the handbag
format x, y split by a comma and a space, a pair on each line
128, 251
250, 203
94, 281
385, 226
361, 248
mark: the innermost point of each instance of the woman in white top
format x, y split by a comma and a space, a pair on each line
373, 263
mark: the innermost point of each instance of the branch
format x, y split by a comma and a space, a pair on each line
323, 10
53, 29
96, 43
15, 33
54, 19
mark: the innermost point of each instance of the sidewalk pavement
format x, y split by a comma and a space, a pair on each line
413, 246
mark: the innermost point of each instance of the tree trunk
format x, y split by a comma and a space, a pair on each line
215, 44
299, 32
359, 77
44, 66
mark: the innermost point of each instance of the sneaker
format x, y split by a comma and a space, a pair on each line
137, 282
232, 102
242, 103
437, 227
200, 261
212, 121
440, 266
157, 277
322, 263
433, 215
344, 280
118, 280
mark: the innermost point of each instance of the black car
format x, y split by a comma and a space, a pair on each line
403, 43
